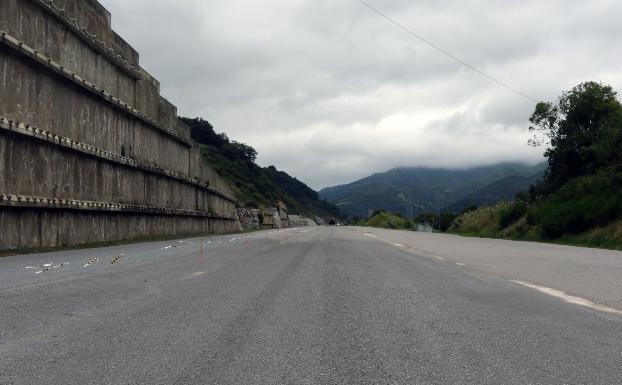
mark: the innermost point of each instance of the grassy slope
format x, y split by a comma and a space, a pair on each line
387, 220
484, 222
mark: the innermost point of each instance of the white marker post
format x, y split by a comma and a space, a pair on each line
201, 258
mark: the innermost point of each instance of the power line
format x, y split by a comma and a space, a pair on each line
446, 53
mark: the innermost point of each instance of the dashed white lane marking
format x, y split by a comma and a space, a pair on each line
439, 258
197, 274
571, 299
460, 264
370, 235
397, 244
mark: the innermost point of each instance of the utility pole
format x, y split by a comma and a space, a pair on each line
410, 202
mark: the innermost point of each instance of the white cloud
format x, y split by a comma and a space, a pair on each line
330, 92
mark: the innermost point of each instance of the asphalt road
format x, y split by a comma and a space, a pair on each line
303, 306
594, 274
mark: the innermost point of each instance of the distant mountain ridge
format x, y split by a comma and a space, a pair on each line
417, 190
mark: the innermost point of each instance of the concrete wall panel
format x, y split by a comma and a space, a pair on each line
32, 93
52, 228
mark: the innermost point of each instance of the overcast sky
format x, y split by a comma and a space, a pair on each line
330, 92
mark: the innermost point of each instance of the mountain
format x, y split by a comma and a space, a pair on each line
256, 186
503, 190
427, 189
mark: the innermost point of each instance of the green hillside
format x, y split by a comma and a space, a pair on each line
503, 190
579, 200
430, 190
385, 220
253, 185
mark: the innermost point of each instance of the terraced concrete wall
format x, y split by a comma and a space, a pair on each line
89, 150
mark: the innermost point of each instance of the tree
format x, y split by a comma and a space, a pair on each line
203, 132
239, 151
583, 128
445, 221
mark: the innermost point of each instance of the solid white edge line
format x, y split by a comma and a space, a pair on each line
570, 298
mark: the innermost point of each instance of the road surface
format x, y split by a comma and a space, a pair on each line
302, 306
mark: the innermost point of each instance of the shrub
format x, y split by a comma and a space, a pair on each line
483, 222
469, 209
581, 204
445, 221
512, 213
387, 220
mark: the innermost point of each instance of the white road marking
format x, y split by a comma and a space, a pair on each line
50, 266
46, 267
460, 264
398, 244
370, 235
439, 258
194, 275
571, 299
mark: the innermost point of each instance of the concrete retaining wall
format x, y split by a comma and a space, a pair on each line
81, 121
34, 228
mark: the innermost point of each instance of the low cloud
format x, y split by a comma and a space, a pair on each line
330, 92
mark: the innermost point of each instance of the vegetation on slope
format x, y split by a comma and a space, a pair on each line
386, 220
253, 185
503, 190
579, 200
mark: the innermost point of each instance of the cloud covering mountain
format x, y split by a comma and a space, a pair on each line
330, 92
